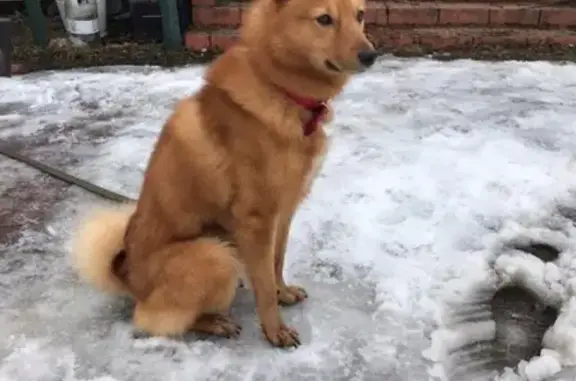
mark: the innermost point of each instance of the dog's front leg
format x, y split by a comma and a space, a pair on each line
256, 238
287, 294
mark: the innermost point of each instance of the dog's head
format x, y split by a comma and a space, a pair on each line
317, 37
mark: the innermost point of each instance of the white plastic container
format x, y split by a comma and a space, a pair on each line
70, 10
62, 12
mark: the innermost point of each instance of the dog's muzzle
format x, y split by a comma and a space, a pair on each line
367, 58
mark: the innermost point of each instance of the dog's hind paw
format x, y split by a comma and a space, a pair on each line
218, 325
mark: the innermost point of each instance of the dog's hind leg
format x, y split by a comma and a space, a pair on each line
193, 288
178, 322
163, 322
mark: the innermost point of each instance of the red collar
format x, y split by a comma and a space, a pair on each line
319, 109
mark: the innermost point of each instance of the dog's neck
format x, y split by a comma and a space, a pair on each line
276, 103
317, 109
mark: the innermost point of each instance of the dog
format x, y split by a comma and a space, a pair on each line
227, 173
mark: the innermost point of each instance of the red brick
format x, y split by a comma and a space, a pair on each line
391, 38
403, 40
514, 15
203, 2
195, 40
558, 17
223, 40
18, 68
376, 14
405, 14
440, 41
463, 14
217, 16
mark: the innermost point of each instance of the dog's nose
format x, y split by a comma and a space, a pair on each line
367, 57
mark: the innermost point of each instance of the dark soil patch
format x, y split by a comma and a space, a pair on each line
521, 321
490, 53
105, 55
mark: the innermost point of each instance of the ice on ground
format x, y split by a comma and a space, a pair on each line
434, 168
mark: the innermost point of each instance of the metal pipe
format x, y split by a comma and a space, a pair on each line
58, 174
170, 24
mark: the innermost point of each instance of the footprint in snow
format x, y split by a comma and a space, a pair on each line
516, 321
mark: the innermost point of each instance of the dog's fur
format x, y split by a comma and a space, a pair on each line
227, 173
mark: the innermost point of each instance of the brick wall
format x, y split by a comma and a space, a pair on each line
434, 24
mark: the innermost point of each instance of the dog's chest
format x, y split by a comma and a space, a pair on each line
296, 168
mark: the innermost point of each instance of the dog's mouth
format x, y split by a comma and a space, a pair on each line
332, 66
342, 67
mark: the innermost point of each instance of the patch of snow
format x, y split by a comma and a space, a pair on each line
541, 368
562, 335
434, 167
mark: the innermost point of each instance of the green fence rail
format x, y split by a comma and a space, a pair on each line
37, 22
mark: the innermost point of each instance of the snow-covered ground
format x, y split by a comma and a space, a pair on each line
434, 168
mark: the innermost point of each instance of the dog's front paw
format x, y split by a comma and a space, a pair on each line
289, 295
284, 337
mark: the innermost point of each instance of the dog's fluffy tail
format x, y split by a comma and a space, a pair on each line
97, 242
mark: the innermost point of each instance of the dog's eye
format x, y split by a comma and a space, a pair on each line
325, 20
360, 15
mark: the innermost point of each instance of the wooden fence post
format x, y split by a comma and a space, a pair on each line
5, 47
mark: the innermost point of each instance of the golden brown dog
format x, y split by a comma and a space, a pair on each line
227, 173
